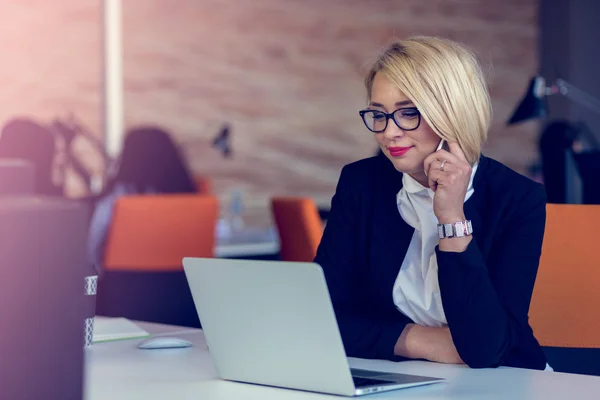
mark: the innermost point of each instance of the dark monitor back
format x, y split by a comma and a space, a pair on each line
17, 177
42, 268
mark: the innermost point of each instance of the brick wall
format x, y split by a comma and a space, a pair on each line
50, 68
285, 74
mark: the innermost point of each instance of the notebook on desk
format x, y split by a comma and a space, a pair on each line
108, 329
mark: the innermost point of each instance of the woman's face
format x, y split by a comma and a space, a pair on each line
406, 149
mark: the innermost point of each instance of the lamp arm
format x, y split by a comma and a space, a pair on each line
578, 95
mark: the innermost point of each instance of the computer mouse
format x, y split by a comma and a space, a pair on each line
164, 342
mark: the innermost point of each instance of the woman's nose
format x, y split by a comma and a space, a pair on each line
393, 131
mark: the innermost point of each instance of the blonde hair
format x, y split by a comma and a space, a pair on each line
445, 82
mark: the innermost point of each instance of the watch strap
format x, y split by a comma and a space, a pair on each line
457, 229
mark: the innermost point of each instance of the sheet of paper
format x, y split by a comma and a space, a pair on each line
108, 329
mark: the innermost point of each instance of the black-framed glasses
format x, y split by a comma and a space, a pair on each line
407, 119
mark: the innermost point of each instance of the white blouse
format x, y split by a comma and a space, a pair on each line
416, 292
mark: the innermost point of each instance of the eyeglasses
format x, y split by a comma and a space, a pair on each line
407, 119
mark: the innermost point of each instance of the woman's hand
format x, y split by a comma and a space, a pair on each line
449, 174
429, 343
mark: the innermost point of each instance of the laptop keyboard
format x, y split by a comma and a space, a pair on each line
363, 382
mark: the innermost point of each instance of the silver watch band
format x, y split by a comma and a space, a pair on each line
457, 229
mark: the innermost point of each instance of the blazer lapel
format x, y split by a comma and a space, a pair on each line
476, 204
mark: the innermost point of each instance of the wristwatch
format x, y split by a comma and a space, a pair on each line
457, 229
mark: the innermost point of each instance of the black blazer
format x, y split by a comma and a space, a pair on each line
486, 290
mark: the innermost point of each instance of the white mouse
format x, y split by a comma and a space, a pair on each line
164, 342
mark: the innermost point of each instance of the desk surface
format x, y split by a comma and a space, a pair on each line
231, 250
248, 243
118, 370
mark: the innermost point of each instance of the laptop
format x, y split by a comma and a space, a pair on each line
272, 323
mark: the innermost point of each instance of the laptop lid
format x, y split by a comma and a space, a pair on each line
270, 323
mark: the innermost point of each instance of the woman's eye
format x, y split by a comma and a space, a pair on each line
410, 113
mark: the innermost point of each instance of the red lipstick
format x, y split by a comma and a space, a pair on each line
399, 151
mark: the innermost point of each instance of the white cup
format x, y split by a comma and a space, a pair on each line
91, 288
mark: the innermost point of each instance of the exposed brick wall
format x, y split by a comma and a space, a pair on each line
286, 74
51, 68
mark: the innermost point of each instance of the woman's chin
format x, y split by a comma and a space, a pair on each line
404, 165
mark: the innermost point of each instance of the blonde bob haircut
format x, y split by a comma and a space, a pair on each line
445, 82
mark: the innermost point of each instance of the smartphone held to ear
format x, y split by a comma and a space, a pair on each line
443, 145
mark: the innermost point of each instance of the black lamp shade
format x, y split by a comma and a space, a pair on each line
533, 105
222, 142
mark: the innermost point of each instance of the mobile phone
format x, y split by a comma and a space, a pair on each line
442, 145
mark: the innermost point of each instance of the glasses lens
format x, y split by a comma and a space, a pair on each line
375, 120
407, 118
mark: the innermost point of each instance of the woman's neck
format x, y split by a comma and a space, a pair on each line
421, 178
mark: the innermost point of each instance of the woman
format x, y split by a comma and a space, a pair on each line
150, 163
404, 287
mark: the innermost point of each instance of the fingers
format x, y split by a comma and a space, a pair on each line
446, 155
457, 151
455, 156
434, 161
439, 156
436, 164
437, 178
430, 159
435, 173
433, 177
451, 175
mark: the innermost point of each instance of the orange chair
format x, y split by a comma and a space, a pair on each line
149, 236
565, 306
204, 184
153, 233
300, 227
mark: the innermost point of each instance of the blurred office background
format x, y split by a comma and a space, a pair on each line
261, 97
284, 76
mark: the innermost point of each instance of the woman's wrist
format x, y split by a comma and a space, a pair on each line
451, 218
454, 244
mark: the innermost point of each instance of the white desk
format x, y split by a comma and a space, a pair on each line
230, 250
250, 242
119, 371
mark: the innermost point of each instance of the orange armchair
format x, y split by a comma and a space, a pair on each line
566, 297
149, 236
153, 233
300, 227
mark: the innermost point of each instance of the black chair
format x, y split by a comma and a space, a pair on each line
588, 164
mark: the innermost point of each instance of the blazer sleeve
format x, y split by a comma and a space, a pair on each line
487, 304
364, 334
